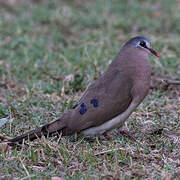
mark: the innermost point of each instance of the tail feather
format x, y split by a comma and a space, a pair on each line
50, 129
31, 135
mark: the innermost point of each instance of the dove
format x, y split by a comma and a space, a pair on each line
109, 100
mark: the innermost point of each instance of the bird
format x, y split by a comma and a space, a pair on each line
109, 100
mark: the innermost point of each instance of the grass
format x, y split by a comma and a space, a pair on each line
50, 51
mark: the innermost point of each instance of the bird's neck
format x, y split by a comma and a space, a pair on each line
132, 62
132, 57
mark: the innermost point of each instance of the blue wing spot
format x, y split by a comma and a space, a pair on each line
83, 109
95, 102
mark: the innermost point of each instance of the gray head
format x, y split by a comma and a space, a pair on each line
141, 43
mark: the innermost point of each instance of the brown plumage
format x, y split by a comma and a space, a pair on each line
110, 99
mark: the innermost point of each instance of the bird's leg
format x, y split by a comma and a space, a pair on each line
123, 133
126, 134
106, 136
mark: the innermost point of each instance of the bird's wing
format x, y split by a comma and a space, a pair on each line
107, 97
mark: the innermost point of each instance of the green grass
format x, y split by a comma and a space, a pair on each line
51, 51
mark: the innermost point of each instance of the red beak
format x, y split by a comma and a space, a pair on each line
154, 52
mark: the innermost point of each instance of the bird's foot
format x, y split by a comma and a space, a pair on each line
106, 136
126, 134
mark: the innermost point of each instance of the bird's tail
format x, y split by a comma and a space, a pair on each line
54, 127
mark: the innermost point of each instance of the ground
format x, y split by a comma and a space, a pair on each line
50, 51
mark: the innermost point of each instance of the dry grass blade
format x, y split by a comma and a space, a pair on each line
170, 81
24, 167
110, 151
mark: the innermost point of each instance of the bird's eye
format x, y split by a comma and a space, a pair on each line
143, 44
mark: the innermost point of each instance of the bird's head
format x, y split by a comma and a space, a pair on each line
143, 44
